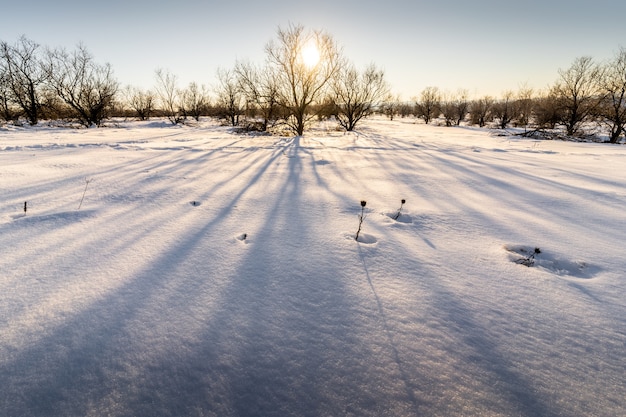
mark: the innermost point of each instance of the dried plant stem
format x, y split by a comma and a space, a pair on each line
399, 210
87, 181
361, 218
529, 260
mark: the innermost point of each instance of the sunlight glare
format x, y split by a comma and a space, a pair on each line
310, 54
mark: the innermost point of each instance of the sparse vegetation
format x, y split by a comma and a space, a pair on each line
37, 82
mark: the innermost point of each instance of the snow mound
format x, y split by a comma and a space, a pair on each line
363, 238
367, 239
399, 218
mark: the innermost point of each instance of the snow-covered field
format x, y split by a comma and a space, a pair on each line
213, 274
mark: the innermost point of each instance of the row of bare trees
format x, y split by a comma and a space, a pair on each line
37, 82
290, 89
287, 90
585, 94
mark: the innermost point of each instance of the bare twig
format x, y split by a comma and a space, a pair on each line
399, 210
87, 181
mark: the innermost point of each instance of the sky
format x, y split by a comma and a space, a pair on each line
486, 47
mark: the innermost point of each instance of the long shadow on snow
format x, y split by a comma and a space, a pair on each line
505, 184
67, 372
488, 371
514, 388
279, 341
288, 321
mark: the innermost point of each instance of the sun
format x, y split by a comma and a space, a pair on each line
310, 54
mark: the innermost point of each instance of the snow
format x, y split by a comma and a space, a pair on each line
208, 273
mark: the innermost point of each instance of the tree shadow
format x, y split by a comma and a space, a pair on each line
279, 326
196, 329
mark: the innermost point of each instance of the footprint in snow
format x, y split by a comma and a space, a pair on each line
243, 237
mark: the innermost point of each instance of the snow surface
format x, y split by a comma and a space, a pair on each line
208, 273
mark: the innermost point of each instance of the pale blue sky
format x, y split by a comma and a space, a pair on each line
484, 46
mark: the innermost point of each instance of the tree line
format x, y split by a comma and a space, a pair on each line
585, 94
39, 83
290, 90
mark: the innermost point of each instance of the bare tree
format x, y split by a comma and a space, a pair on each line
428, 107
546, 112
505, 109
461, 105
356, 95
230, 100
578, 93
142, 102
406, 109
447, 108
194, 101
24, 76
613, 86
260, 90
391, 106
85, 86
303, 63
454, 107
168, 94
524, 105
7, 112
480, 111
